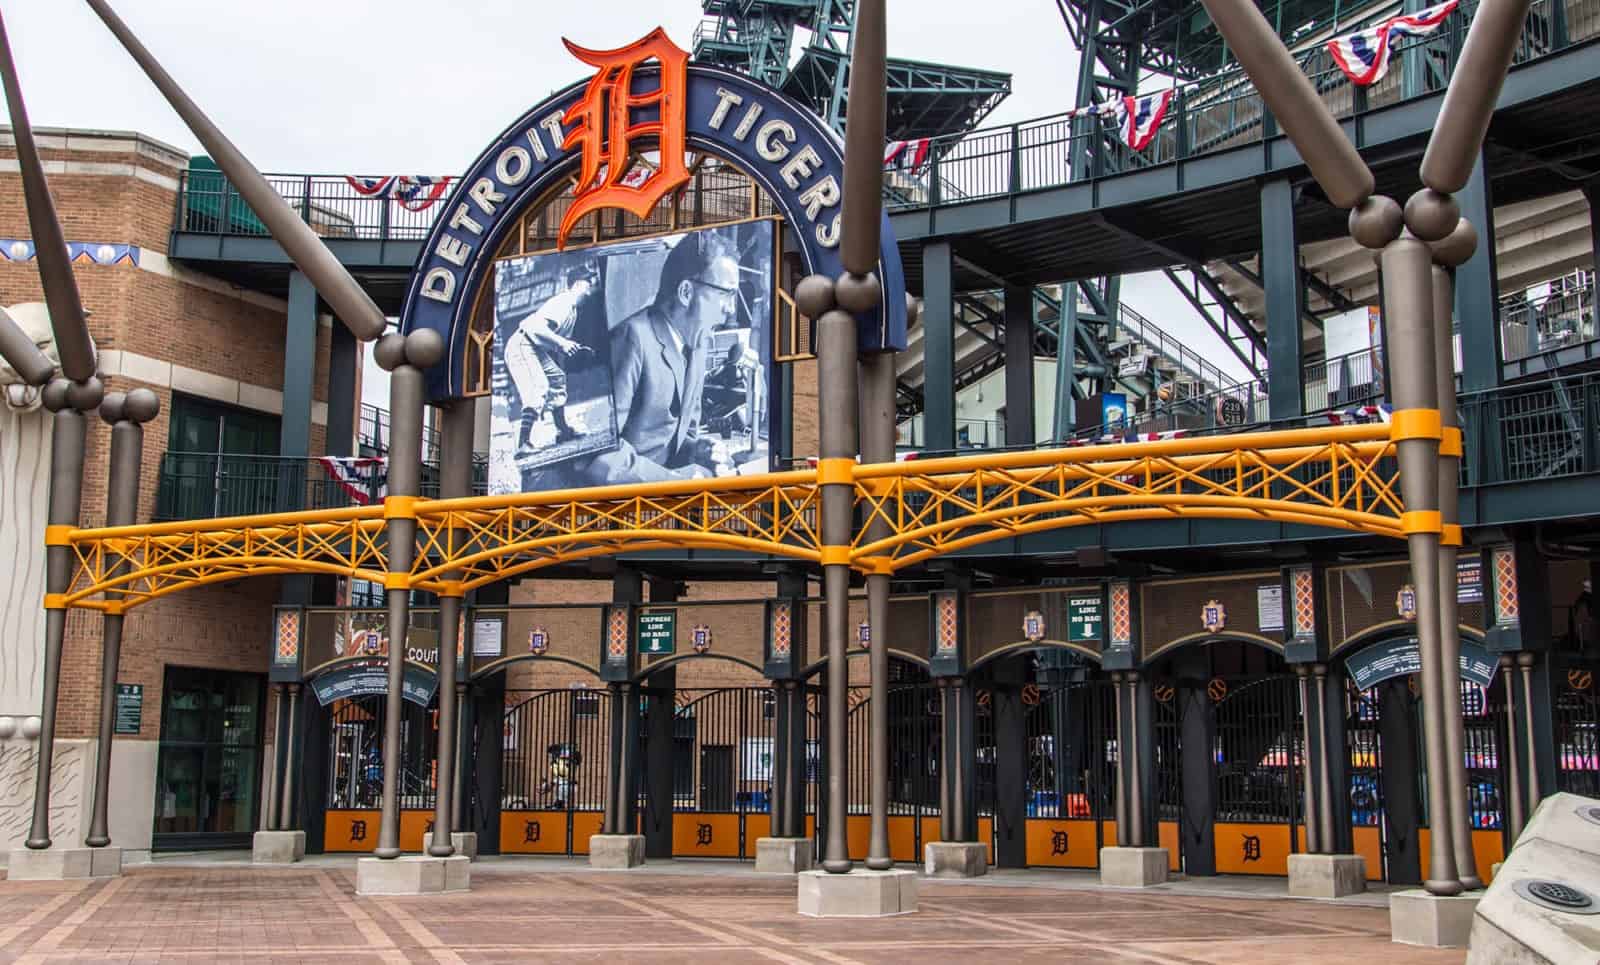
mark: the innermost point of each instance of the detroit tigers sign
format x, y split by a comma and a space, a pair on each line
645, 96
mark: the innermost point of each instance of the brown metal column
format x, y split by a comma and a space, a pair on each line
1136, 812
1525, 661
1325, 832
1310, 776
1124, 823
1515, 809
286, 820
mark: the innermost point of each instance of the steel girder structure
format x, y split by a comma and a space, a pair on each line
1342, 477
758, 37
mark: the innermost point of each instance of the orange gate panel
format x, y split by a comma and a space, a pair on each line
533, 832
696, 835
1252, 849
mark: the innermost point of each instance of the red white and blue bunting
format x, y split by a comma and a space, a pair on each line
1141, 117
363, 479
1364, 55
910, 154
415, 192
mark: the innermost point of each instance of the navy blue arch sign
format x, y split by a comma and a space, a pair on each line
785, 148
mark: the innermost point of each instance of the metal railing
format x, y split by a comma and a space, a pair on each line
1344, 380
207, 485
1217, 113
1552, 315
372, 434
1186, 359
1530, 431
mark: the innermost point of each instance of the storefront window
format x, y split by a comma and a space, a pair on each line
208, 776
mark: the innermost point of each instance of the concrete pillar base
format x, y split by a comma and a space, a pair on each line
785, 856
955, 859
1133, 867
860, 894
1418, 918
616, 851
1326, 875
63, 864
465, 843
277, 847
413, 874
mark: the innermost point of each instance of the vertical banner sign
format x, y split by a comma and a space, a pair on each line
657, 631
1084, 619
130, 708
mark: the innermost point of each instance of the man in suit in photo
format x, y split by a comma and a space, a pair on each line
658, 366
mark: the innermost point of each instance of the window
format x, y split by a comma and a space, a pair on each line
209, 769
220, 461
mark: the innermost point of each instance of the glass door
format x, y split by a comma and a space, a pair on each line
209, 768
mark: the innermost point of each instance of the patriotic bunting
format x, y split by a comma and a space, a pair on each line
364, 479
912, 153
1364, 55
1141, 117
415, 192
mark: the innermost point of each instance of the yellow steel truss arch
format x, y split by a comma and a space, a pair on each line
1341, 477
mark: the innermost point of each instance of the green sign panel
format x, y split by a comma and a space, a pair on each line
130, 708
658, 631
1084, 619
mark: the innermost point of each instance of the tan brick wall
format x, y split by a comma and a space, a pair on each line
166, 318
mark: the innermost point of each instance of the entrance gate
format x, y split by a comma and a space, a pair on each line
1388, 786
1259, 756
722, 759
354, 777
1071, 752
915, 721
553, 770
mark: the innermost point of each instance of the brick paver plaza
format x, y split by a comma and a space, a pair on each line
556, 912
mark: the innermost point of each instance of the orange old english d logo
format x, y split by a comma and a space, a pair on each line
606, 130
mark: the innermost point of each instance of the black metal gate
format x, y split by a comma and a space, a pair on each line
554, 746
355, 774
915, 722
1259, 754
722, 758
1168, 793
1483, 716
1576, 716
1071, 748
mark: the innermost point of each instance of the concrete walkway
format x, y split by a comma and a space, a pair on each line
217, 907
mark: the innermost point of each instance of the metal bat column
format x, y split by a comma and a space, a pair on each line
1448, 254
404, 357
126, 413
455, 480
69, 398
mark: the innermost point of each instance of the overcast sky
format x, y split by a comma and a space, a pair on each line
403, 86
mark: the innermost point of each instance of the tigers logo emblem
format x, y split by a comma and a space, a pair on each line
358, 831
1058, 843
609, 135
1252, 847
702, 835
530, 832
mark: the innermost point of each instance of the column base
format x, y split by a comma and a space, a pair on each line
465, 843
1133, 867
862, 893
955, 859
413, 874
1434, 921
63, 864
277, 847
1326, 875
616, 851
784, 856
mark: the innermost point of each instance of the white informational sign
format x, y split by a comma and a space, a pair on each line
487, 638
1269, 607
757, 760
